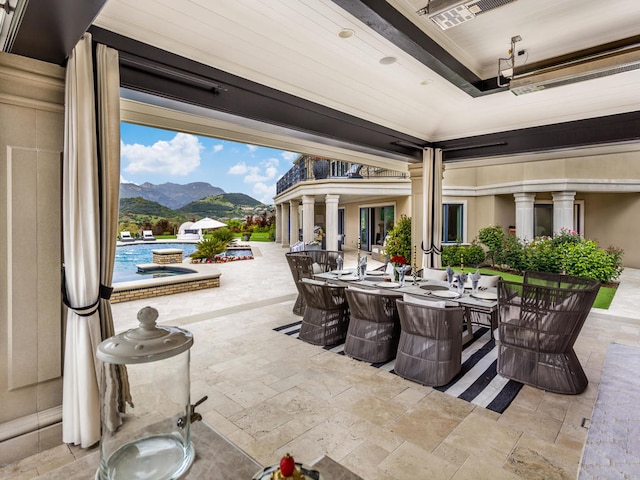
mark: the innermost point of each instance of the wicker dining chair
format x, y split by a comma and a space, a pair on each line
301, 266
430, 348
374, 325
539, 322
326, 316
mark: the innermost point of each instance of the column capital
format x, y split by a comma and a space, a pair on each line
563, 196
332, 198
524, 197
308, 199
416, 170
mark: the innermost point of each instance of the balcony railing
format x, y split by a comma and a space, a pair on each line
318, 169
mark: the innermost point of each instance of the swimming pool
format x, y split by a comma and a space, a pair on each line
128, 256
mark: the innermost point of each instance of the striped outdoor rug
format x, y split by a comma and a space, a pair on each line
477, 382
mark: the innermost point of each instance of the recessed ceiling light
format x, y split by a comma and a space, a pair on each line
346, 33
388, 60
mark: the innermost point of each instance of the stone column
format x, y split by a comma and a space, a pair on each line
279, 210
284, 225
331, 221
563, 210
308, 218
294, 218
524, 215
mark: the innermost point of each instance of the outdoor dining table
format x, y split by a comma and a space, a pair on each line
470, 303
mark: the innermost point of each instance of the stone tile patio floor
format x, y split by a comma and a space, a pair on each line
271, 394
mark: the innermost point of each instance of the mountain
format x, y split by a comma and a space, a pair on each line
225, 205
221, 207
169, 194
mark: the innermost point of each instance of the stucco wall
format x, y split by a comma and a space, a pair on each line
606, 179
612, 220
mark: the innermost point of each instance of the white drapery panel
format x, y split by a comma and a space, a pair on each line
432, 198
83, 235
108, 101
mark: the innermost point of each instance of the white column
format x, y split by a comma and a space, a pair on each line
294, 216
308, 218
524, 215
331, 221
563, 210
284, 224
279, 210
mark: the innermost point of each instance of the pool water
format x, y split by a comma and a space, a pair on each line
128, 256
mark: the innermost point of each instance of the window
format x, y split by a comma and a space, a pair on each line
543, 220
375, 223
452, 223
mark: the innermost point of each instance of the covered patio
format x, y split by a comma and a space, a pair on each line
270, 393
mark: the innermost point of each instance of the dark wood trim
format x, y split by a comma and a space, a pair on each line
51, 28
152, 70
395, 27
624, 127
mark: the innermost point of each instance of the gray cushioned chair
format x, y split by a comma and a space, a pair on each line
430, 348
301, 266
326, 316
539, 321
374, 325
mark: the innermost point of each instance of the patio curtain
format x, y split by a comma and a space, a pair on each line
108, 108
88, 239
432, 198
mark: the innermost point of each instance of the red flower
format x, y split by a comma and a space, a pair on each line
398, 260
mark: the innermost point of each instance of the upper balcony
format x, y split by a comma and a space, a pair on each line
316, 168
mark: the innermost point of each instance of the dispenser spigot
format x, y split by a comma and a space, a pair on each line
193, 415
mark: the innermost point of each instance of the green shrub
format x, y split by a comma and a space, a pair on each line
223, 234
209, 248
586, 259
493, 238
468, 255
398, 242
543, 255
513, 253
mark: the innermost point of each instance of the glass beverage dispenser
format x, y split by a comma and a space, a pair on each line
152, 439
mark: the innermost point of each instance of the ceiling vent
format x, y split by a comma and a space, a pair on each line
448, 13
578, 70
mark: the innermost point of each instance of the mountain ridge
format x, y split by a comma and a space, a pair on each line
171, 195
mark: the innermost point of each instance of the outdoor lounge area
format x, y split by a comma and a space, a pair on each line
270, 393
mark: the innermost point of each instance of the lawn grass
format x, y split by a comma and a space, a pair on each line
260, 237
603, 300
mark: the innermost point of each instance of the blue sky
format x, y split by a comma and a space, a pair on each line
158, 156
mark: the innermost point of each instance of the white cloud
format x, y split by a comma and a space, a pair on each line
238, 169
264, 192
252, 148
217, 148
124, 180
289, 156
179, 156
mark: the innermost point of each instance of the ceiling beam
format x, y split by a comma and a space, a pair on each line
611, 129
154, 71
51, 28
399, 30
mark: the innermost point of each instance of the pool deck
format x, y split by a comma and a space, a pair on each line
270, 394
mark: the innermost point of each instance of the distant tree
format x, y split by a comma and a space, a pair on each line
162, 227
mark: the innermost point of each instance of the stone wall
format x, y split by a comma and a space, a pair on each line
149, 290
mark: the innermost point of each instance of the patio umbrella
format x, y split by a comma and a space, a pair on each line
432, 191
207, 223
